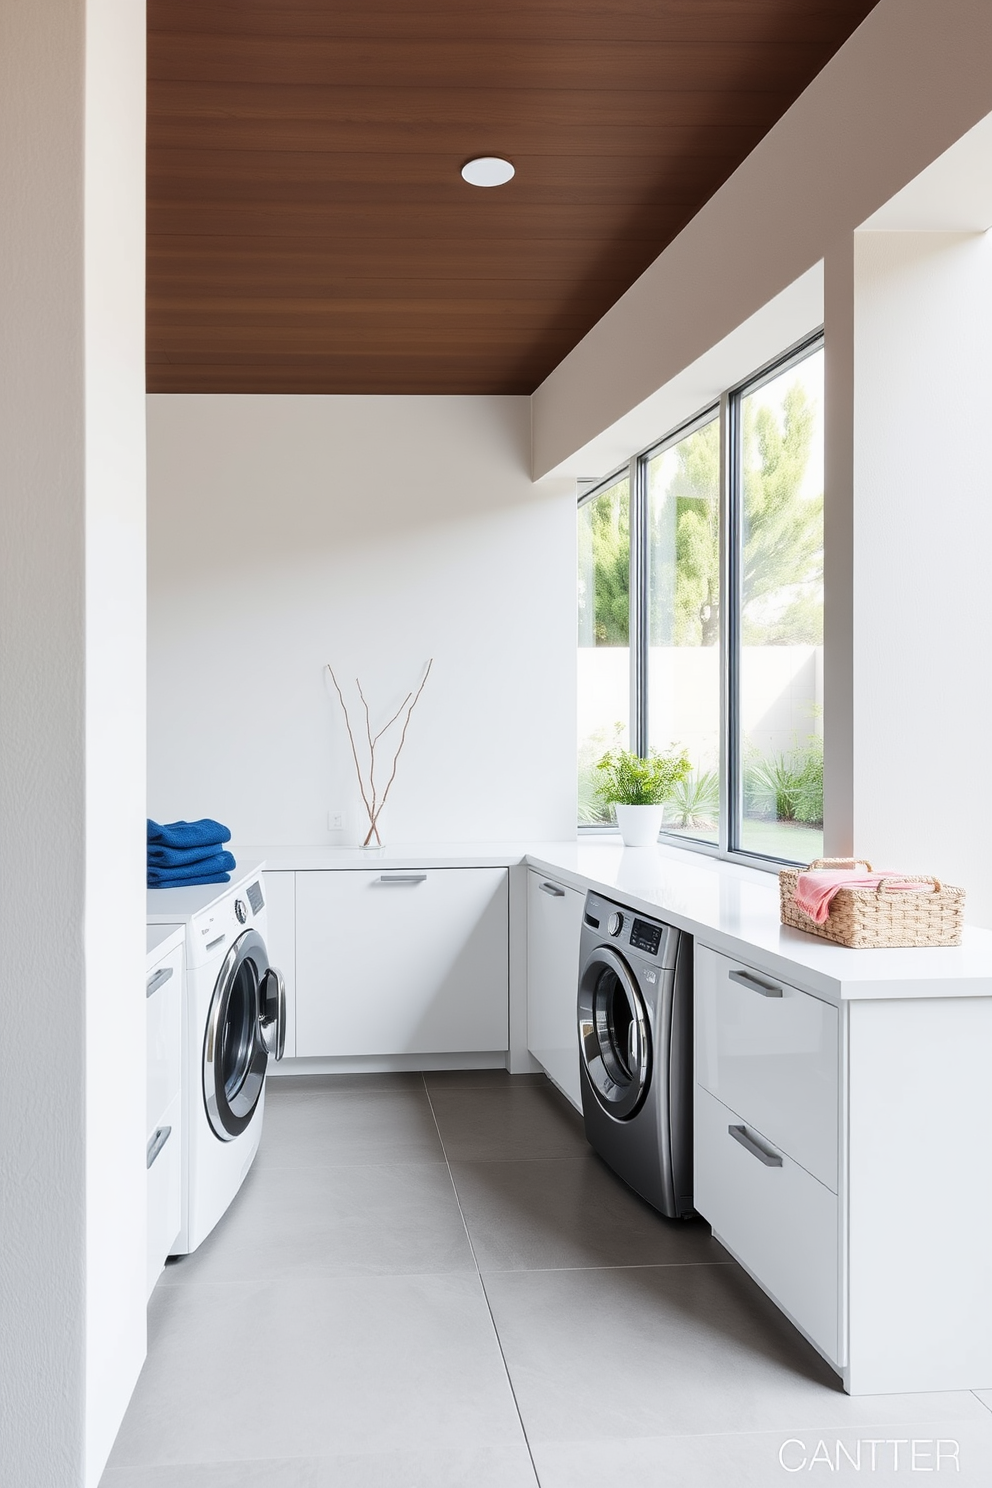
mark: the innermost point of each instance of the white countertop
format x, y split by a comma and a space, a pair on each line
408, 855
730, 907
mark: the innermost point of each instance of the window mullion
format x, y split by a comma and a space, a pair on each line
639, 629
729, 829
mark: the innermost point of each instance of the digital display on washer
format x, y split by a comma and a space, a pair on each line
645, 937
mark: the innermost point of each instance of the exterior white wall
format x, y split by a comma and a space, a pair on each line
922, 533
905, 86
72, 1183
371, 532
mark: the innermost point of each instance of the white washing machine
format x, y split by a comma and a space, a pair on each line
234, 1022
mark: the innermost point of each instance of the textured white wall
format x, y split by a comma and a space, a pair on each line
42, 621
71, 732
372, 532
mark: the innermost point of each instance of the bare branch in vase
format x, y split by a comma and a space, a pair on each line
370, 796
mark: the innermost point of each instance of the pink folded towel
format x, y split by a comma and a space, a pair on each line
815, 891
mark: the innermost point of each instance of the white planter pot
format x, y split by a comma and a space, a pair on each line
639, 825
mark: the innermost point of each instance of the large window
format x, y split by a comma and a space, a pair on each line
701, 616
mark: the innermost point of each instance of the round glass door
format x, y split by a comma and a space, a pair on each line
613, 1034
234, 1053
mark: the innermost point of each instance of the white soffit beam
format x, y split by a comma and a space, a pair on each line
954, 194
785, 320
909, 83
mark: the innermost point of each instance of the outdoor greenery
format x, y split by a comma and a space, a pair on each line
788, 787
695, 801
782, 570
604, 556
630, 780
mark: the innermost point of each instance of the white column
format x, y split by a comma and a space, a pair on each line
71, 732
908, 691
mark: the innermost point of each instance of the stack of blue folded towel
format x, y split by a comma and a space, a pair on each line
183, 853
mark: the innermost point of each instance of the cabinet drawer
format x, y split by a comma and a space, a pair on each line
408, 961
164, 1194
163, 1012
779, 1222
770, 1053
554, 926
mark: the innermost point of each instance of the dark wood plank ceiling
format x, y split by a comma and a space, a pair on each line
308, 228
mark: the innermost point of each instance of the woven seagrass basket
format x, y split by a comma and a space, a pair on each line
868, 918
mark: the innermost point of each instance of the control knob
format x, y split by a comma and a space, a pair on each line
615, 923
240, 911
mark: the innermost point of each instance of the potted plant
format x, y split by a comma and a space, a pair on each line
637, 789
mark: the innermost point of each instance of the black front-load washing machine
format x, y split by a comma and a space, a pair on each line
635, 1050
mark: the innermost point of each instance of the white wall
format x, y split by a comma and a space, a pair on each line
71, 732
922, 554
114, 935
371, 532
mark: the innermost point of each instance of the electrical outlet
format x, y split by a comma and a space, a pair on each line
335, 821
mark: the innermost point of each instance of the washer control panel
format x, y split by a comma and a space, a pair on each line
645, 937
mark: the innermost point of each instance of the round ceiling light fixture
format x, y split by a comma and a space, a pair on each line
488, 170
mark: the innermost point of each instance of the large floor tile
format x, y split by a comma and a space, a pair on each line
770, 1459
569, 1212
673, 1350
484, 1079
291, 1223
330, 1124
284, 1369
469, 1467
512, 1123
366, 1080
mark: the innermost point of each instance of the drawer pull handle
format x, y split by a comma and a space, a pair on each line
402, 878
155, 1144
748, 979
770, 1159
158, 980
553, 890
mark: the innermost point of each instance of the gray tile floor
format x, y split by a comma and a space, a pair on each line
432, 1282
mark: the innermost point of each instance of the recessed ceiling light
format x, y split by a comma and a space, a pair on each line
488, 170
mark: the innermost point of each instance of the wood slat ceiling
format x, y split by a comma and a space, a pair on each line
308, 228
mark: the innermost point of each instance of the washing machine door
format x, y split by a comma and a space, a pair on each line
246, 1023
614, 1038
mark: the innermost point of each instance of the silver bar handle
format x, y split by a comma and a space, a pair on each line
770, 1159
158, 980
755, 983
553, 890
402, 878
155, 1144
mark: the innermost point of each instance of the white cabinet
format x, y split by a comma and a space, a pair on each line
766, 1135
163, 1115
554, 924
770, 1052
775, 1217
401, 961
841, 1154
